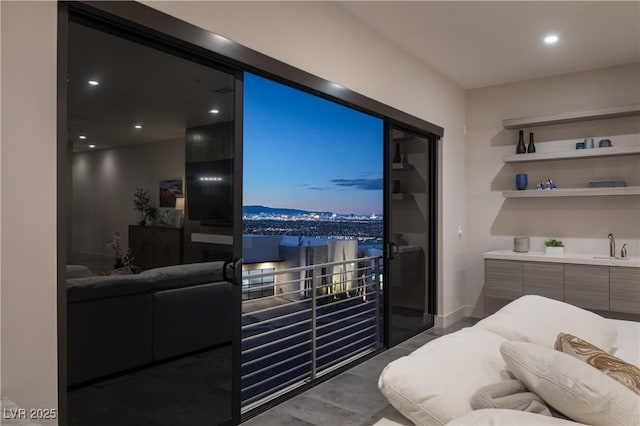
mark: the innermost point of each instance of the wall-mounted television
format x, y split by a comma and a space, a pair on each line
210, 192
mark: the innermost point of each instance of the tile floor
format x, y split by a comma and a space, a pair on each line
351, 398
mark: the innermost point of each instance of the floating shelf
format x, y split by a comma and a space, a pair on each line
401, 196
400, 166
571, 117
577, 153
573, 192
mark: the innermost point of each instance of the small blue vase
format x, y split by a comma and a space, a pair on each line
521, 181
395, 186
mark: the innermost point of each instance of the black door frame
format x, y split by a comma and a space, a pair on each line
431, 229
138, 21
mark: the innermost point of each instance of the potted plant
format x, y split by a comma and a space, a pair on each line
114, 244
554, 246
142, 203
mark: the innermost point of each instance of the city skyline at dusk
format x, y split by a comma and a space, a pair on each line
304, 152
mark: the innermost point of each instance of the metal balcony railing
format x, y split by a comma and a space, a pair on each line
318, 318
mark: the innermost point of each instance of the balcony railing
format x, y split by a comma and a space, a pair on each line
319, 318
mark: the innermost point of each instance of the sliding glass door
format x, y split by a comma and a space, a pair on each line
411, 229
313, 238
152, 214
227, 239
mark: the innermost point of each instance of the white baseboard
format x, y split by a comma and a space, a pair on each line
444, 321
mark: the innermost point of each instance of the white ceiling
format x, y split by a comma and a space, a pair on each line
478, 44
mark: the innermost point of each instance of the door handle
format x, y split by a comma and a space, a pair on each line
394, 250
235, 267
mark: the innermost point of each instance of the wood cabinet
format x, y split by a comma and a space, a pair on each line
587, 286
544, 279
624, 288
595, 287
154, 246
503, 279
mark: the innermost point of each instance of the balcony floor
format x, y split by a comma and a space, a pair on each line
351, 398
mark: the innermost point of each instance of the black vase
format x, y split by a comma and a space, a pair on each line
521, 148
531, 147
396, 155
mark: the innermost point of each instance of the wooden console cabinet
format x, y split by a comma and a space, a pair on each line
596, 287
624, 290
155, 246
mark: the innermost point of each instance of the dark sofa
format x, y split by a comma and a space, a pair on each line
119, 322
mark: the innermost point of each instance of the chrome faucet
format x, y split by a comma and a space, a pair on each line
612, 246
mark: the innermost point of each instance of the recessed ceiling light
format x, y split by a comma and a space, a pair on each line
551, 39
82, 137
93, 82
138, 126
92, 146
213, 111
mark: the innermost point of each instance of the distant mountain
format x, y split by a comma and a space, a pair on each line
253, 210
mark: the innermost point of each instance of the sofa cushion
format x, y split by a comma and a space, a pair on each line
539, 320
99, 287
191, 318
178, 276
503, 417
434, 384
107, 336
78, 271
571, 386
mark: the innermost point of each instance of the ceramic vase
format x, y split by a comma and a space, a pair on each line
395, 186
521, 148
521, 181
531, 147
396, 155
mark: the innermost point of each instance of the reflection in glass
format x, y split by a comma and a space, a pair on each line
148, 311
409, 212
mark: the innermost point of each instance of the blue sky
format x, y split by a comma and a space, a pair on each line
304, 152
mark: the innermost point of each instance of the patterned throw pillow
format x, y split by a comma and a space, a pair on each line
623, 372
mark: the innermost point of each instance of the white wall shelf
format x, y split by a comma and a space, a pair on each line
577, 153
573, 192
571, 117
401, 166
401, 196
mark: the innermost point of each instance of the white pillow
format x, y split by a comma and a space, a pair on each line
434, 384
571, 386
539, 320
504, 417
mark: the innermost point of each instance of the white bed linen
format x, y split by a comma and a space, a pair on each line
628, 344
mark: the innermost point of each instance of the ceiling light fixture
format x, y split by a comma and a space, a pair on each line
138, 126
92, 146
213, 111
551, 39
94, 82
82, 137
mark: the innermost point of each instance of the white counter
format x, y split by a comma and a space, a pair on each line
580, 258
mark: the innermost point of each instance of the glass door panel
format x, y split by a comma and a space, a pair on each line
151, 219
313, 238
409, 189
